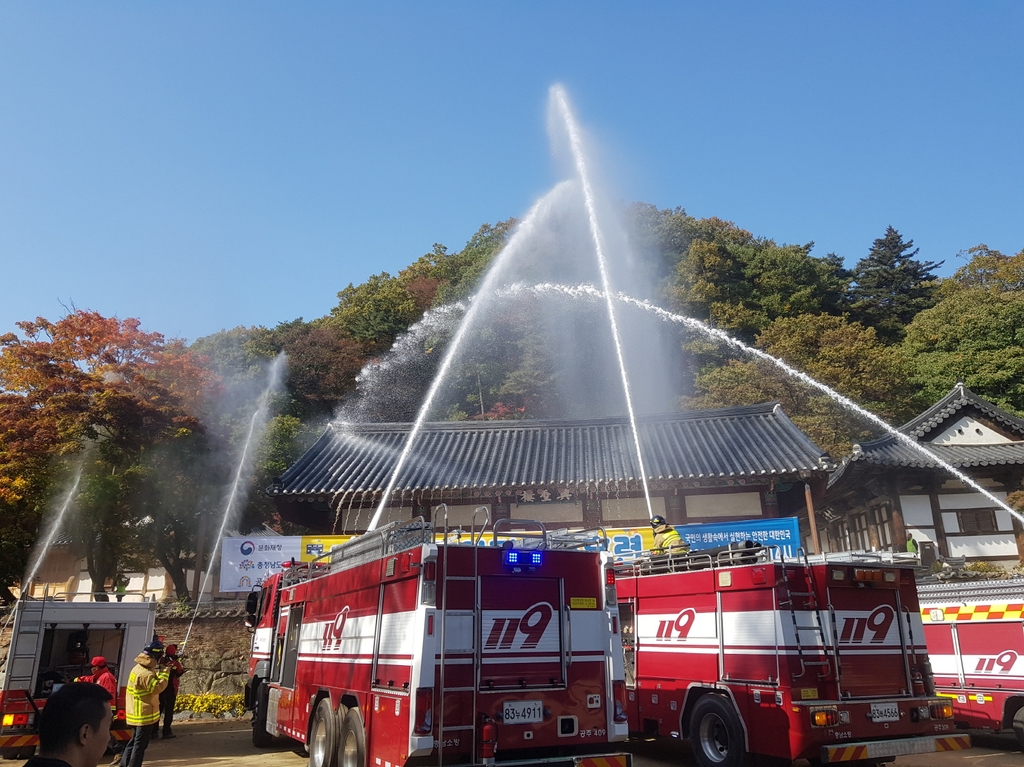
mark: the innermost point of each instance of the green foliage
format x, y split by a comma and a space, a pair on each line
987, 269
376, 311
973, 334
890, 286
741, 283
843, 355
456, 275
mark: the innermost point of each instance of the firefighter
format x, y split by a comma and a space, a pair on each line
102, 676
666, 538
172, 663
74, 727
911, 544
142, 705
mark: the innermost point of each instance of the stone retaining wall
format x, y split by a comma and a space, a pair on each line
216, 659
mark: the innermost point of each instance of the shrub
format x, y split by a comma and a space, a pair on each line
211, 703
985, 568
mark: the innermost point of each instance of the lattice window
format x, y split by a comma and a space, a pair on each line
977, 520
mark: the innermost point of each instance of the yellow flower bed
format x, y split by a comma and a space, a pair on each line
211, 703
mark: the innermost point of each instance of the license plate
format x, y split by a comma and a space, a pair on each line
885, 712
522, 711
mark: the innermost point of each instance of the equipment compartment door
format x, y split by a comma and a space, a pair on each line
521, 633
992, 653
870, 642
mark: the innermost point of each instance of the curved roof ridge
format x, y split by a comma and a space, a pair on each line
957, 399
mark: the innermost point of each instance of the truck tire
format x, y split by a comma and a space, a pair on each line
260, 737
352, 748
1018, 727
715, 733
323, 736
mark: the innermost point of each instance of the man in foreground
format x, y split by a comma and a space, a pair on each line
74, 727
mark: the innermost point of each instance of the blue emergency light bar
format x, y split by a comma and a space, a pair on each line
523, 558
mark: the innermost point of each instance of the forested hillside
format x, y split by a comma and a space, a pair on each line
156, 423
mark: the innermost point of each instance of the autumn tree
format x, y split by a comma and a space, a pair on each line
88, 381
890, 286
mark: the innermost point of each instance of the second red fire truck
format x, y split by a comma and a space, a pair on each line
745, 653
975, 633
394, 648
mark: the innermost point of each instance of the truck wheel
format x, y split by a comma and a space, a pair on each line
260, 737
323, 736
353, 740
715, 733
1018, 727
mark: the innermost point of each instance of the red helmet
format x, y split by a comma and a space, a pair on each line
99, 661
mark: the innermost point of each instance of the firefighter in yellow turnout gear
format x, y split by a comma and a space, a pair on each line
142, 701
666, 538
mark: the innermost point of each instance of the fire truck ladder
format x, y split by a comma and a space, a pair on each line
475, 541
804, 576
25, 643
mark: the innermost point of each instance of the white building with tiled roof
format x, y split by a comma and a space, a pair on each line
886, 490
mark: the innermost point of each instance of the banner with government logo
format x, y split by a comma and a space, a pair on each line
245, 562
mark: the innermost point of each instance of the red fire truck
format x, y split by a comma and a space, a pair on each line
52, 641
744, 652
394, 647
975, 635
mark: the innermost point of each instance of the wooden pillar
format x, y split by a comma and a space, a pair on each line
899, 526
811, 521
940, 529
873, 537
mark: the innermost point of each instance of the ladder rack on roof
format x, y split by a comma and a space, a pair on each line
701, 559
1009, 589
893, 558
392, 538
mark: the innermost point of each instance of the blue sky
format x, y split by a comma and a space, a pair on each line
206, 165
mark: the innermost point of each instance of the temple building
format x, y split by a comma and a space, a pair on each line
742, 463
886, 490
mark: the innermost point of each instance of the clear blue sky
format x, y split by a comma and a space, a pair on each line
206, 165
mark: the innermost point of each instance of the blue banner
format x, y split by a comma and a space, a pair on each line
783, 532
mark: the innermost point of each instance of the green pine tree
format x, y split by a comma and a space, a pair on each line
890, 286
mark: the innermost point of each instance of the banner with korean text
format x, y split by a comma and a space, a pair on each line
783, 532
246, 562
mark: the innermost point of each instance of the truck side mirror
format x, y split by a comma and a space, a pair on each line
251, 601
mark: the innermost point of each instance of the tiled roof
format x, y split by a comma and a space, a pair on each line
759, 440
889, 451
960, 397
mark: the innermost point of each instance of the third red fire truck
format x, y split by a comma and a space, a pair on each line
975, 633
394, 647
745, 652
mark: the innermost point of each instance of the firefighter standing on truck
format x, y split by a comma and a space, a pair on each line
142, 705
667, 538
